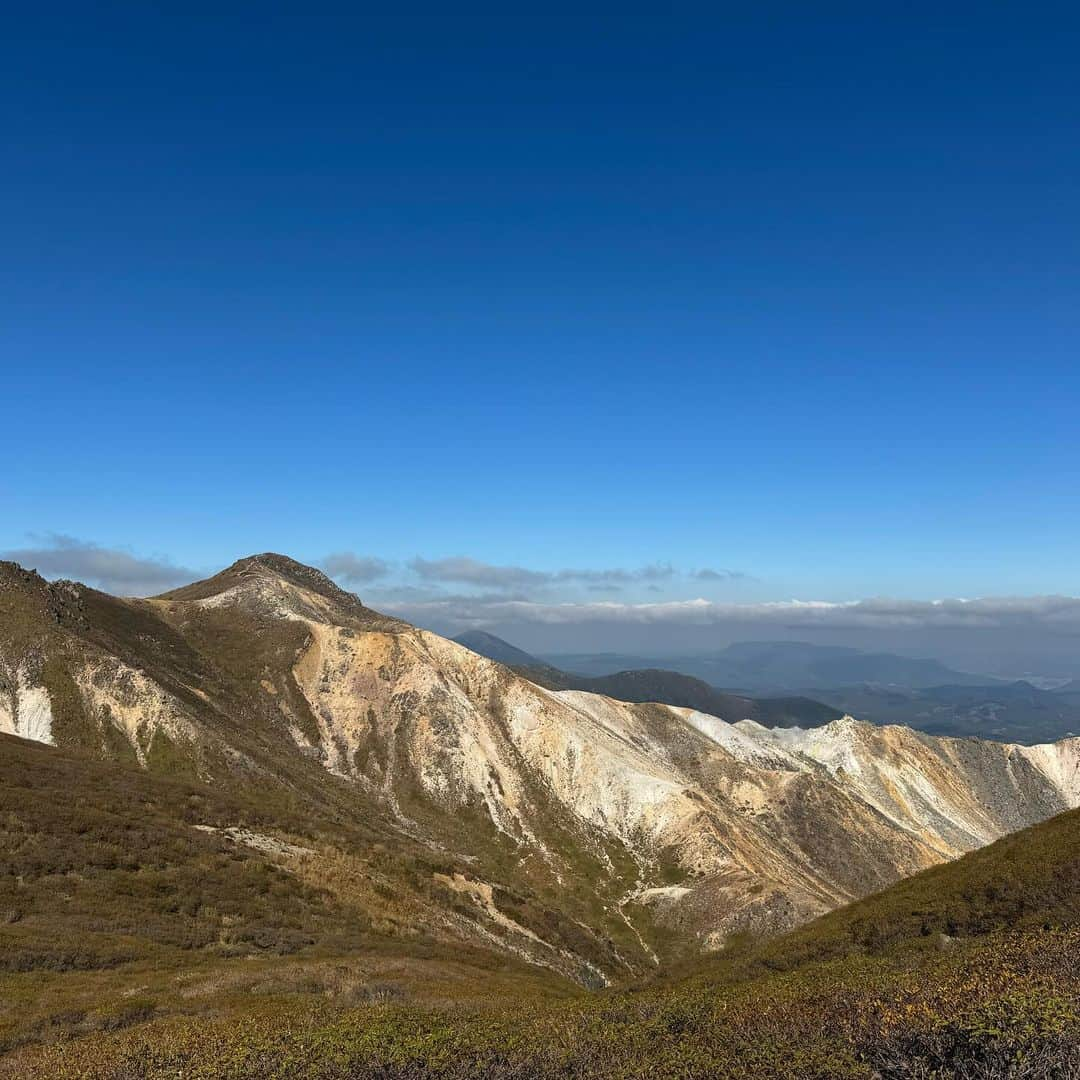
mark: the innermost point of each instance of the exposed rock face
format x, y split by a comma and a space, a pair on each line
634, 815
122, 697
25, 709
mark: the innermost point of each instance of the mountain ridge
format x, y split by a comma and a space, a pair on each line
589, 835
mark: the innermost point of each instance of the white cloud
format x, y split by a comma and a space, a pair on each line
1047, 612
708, 573
355, 569
113, 570
462, 570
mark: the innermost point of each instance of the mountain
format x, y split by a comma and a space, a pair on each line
655, 685
494, 648
881, 688
1016, 711
260, 768
269, 675
776, 667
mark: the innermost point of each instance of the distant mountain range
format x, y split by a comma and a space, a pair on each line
775, 667
1014, 711
798, 684
657, 684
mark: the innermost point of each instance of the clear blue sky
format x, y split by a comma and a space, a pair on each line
791, 293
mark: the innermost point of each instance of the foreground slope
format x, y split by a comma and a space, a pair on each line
125, 894
586, 835
998, 996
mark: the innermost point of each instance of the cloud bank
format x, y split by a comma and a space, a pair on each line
1058, 613
460, 591
112, 570
355, 569
465, 592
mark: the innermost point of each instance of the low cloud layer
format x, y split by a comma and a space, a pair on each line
1060, 613
462, 591
112, 570
651, 608
508, 580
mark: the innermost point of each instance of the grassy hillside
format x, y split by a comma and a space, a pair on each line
1000, 1006
125, 895
1028, 880
971, 969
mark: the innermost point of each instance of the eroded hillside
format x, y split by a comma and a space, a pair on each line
586, 835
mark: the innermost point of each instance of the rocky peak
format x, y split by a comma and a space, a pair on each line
27, 598
12, 575
278, 586
297, 573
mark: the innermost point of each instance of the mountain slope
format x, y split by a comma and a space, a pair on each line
120, 886
1028, 879
870, 992
494, 648
587, 835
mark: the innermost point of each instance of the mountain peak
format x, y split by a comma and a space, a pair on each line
290, 569
279, 585
253, 567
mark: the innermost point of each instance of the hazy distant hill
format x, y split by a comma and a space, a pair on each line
673, 688
786, 678
990, 709
775, 667
494, 648
654, 684
1016, 711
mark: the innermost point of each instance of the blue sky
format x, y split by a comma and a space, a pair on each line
787, 295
